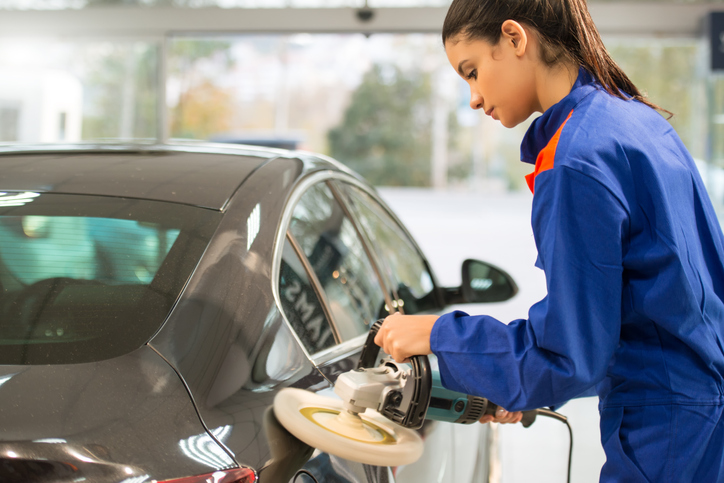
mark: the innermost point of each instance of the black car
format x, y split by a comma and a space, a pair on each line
155, 298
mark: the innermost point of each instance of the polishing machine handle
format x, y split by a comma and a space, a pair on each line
461, 408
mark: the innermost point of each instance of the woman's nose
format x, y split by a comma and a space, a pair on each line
476, 100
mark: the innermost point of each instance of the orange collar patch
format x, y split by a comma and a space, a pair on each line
546, 157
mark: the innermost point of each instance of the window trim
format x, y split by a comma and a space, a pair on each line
341, 348
316, 286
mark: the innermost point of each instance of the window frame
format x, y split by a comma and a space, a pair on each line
332, 179
316, 285
436, 290
388, 285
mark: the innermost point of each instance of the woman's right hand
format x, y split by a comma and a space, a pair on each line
404, 336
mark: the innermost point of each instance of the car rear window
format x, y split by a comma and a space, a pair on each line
85, 278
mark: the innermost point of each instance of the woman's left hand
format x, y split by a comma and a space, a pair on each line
503, 417
404, 336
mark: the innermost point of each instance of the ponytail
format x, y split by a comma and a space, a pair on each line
564, 29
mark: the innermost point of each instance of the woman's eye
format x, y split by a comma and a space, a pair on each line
473, 74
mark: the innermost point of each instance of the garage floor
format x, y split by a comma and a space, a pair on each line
451, 226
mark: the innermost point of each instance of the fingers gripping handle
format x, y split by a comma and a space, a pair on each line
528, 416
371, 351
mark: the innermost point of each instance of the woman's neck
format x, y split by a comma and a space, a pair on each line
555, 83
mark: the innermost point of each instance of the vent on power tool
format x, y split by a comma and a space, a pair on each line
474, 411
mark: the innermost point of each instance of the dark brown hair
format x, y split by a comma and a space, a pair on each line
564, 29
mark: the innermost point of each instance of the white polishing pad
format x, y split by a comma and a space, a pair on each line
323, 423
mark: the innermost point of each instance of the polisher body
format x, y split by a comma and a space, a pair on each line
391, 389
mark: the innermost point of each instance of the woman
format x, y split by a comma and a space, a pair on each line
626, 235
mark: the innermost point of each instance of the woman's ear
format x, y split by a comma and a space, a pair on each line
515, 36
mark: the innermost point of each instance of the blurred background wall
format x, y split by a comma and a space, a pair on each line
379, 94
387, 104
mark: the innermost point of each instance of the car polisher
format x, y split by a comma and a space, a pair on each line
381, 404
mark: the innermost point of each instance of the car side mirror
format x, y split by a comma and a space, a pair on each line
482, 283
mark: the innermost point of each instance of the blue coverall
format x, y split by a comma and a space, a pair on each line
633, 256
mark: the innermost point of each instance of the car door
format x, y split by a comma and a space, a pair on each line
453, 452
330, 293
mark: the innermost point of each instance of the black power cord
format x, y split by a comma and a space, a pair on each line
557, 416
303, 472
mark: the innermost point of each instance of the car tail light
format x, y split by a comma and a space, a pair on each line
237, 475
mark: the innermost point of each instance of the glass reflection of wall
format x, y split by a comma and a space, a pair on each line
382, 104
62, 124
33, 99
672, 72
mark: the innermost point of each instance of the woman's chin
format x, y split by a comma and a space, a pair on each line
510, 122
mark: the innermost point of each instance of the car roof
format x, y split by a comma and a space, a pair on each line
204, 175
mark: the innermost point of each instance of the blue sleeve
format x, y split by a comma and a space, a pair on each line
565, 346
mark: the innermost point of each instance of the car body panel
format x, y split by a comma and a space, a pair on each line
111, 419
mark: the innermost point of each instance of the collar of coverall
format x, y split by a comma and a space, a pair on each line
544, 127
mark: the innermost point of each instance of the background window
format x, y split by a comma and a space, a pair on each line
9, 123
79, 90
337, 255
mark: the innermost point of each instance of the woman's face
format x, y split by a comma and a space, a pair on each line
501, 80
